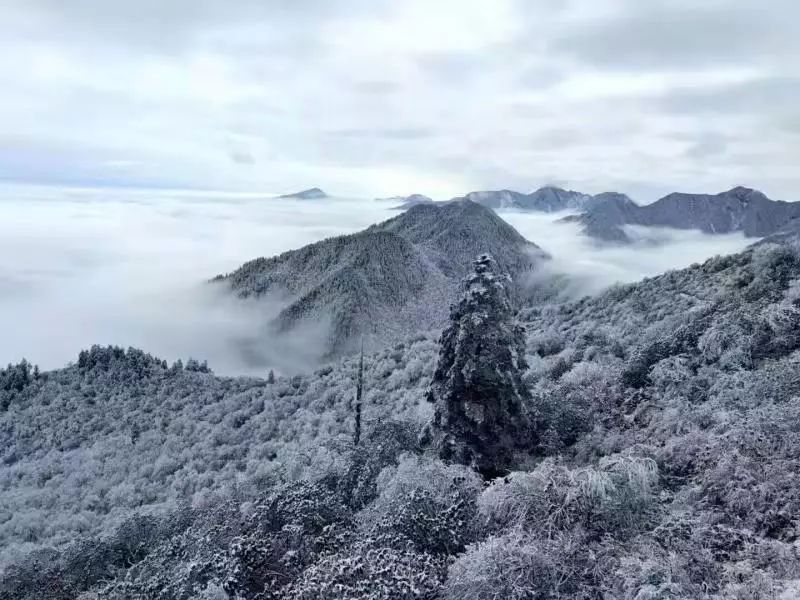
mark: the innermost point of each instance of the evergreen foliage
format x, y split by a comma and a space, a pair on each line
481, 402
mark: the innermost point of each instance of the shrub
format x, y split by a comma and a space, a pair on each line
517, 566
613, 497
425, 503
652, 574
368, 573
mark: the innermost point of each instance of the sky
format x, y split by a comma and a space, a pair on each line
377, 97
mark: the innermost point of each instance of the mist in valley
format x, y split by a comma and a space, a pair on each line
588, 267
130, 267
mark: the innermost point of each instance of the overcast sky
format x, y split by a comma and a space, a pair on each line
380, 97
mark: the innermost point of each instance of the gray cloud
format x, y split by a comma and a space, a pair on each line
665, 33
155, 26
375, 87
374, 97
708, 145
241, 157
767, 95
454, 67
389, 133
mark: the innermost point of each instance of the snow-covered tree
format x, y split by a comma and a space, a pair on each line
477, 388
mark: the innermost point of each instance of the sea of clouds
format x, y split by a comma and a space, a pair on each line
591, 267
128, 267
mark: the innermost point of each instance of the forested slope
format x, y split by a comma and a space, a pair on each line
661, 461
119, 430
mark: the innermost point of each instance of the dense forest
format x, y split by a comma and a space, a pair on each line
640, 444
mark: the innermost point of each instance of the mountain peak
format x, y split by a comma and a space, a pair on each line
545, 199
616, 198
743, 192
309, 194
412, 200
741, 189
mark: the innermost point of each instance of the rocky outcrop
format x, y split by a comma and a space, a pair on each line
480, 399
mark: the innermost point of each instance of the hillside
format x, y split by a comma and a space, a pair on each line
546, 199
661, 463
605, 218
386, 282
739, 209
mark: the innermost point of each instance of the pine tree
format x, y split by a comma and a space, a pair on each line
480, 414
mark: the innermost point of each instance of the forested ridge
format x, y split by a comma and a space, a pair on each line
386, 282
655, 454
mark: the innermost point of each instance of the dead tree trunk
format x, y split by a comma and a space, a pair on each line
359, 392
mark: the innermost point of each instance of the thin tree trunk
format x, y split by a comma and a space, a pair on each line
359, 391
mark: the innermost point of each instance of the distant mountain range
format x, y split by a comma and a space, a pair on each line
605, 216
739, 209
546, 199
413, 200
309, 194
390, 280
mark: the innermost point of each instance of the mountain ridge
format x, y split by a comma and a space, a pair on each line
739, 209
390, 279
544, 199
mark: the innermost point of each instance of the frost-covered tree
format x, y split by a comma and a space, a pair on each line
480, 414
13, 380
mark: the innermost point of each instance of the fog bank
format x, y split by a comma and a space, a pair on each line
83, 267
128, 267
591, 267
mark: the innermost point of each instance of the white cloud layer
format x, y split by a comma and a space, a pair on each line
379, 98
83, 267
591, 268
